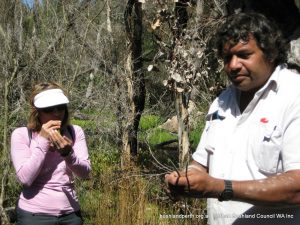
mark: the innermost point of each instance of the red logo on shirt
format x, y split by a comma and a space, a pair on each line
264, 120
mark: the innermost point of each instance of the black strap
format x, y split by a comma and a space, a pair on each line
29, 135
71, 131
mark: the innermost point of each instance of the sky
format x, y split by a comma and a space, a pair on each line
29, 2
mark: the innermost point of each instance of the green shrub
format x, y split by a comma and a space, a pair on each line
85, 124
149, 121
103, 160
158, 136
196, 134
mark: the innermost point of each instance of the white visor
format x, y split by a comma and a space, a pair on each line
50, 98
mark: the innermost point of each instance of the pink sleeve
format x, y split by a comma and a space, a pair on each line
78, 162
27, 160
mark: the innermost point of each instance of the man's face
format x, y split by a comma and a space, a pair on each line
246, 66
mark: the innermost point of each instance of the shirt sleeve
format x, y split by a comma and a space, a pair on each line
78, 161
27, 158
215, 114
291, 138
201, 155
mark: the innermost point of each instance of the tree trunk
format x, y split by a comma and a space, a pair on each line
181, 16
182, 98
135, 78
199, 10
183, 128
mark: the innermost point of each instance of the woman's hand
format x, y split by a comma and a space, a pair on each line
51, 131
48, 127
62, 143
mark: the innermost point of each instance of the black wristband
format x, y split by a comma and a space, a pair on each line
227, 194
65, 153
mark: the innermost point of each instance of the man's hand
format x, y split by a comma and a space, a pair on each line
195, 182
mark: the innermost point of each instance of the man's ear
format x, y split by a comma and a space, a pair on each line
272, 60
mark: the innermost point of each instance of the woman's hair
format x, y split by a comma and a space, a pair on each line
34, 122
241, 26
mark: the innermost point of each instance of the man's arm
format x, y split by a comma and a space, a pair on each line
282, 189
279, 189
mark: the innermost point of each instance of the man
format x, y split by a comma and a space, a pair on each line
248, 160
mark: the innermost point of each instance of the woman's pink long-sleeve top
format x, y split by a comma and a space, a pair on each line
47, 177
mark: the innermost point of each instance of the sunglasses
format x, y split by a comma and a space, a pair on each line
52, 109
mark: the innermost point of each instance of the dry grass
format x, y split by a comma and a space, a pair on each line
133, 198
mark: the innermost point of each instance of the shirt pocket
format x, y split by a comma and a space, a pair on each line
266, 148
213, 134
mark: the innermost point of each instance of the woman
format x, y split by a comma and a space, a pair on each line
45, 155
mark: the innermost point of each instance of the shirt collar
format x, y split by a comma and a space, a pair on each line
222, 103
272, 83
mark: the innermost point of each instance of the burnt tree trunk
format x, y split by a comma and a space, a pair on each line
135, 79
284, 13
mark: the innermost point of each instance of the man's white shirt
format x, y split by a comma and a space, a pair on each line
262, 141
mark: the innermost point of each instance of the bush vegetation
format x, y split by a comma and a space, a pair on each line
136, 196
81, 45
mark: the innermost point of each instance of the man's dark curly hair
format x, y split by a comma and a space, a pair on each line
268, 37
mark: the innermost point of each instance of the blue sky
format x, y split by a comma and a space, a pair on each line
28, 2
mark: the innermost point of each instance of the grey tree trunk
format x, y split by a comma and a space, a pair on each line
181, 98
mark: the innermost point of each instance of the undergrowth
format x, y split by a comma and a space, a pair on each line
136, 196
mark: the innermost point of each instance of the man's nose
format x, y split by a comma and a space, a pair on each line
234, 63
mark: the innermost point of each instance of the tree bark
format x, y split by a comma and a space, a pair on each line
181, 102
182, 98
134, 29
